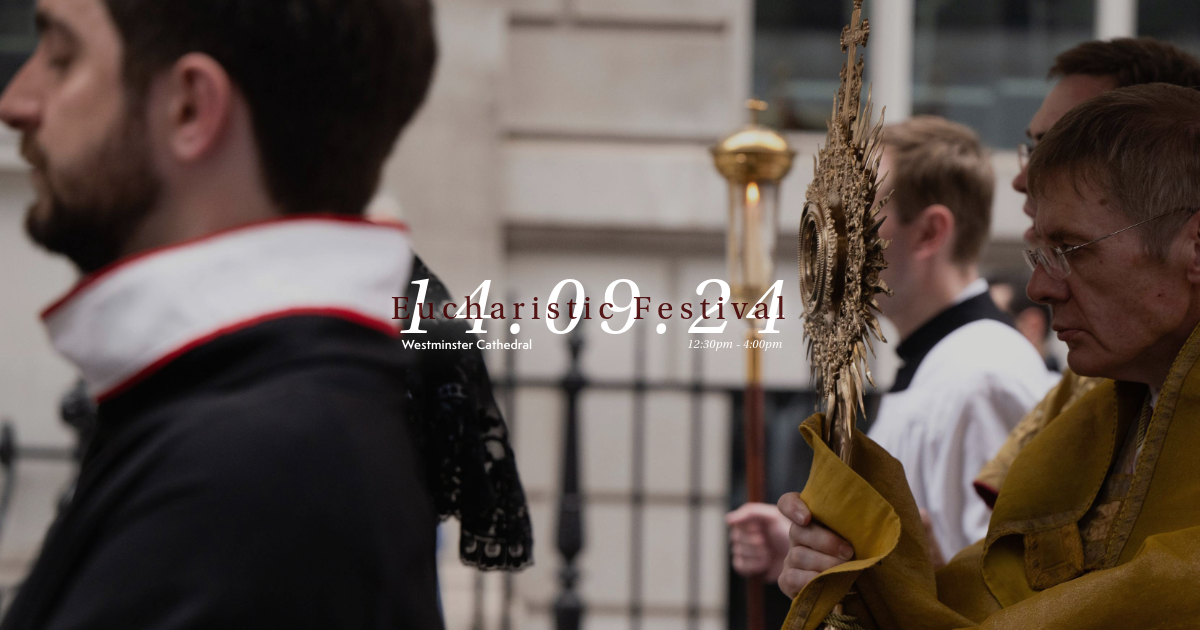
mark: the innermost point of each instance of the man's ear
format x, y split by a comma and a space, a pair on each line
199, 102
1191, 233
933, 230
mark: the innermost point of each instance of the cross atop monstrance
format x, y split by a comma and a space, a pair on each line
854, 34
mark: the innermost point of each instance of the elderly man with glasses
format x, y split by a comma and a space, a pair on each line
1098, 525
1082, 72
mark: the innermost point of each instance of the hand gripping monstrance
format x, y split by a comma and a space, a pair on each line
841, 253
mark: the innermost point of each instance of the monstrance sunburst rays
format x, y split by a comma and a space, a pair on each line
841, 253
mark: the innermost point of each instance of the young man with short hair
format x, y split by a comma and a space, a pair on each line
968, 376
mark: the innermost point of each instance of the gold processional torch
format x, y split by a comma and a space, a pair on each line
754, 160
841, 253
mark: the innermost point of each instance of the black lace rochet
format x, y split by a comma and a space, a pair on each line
470, 469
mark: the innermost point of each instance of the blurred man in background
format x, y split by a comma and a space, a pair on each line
1030, 319
968, 377
206, 164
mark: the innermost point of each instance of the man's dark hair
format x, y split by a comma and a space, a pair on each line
330, 83
1131, 61
1139, 147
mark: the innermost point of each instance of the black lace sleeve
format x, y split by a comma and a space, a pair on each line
470, 469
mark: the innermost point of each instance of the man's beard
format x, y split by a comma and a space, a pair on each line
89, 211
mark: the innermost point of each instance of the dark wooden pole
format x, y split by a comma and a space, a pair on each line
756, 487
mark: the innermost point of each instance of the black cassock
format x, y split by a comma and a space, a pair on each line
261, 480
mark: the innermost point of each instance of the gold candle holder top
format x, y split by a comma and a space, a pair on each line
754, 153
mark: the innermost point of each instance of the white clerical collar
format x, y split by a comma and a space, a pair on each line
978, 287
126, 321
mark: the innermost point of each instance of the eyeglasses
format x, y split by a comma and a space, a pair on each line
1023, 152
1054, 259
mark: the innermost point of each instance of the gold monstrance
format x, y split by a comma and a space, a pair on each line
841, 253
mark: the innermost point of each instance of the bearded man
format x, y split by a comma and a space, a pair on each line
1101, 507
206, 164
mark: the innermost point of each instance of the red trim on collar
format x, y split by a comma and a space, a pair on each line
95, 276
987, 493
351, 316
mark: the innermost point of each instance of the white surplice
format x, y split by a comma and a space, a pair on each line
967, 394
